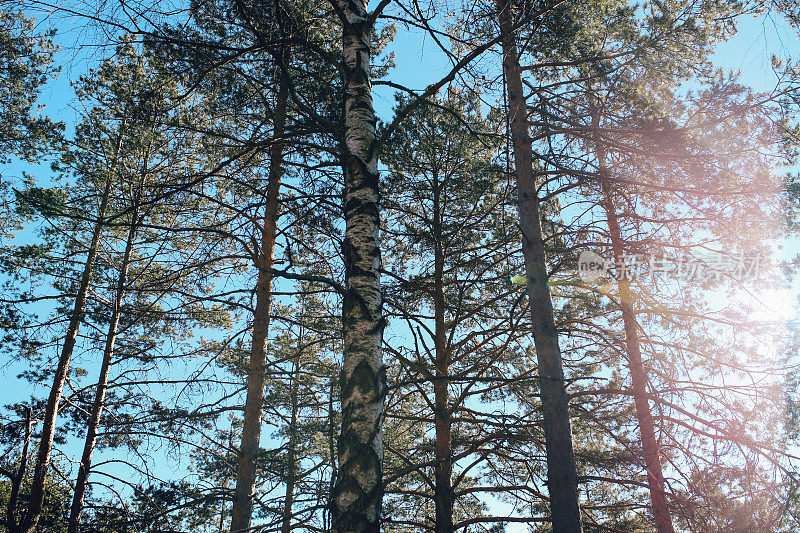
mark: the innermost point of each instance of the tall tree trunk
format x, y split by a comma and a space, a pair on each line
102, 381
443, 490
54, 399
291, 447
443, 469
650, 445
18, 478
328, 514
562, 477
241, 513
359, 489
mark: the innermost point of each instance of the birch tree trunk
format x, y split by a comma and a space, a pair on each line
241, 513
54, 399
651, 449
358, 491
562, 477
102, 381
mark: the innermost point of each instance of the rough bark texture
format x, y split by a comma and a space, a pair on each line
650, 445
242, 510
358, 491
562, 477
76, 508
37, 493
443, 469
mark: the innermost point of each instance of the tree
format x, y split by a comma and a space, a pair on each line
146, 158
562, 476
359, 488
29, 523
28, 60
245, 477
448, 227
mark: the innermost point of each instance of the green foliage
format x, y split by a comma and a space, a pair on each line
56, 504
27, 65
48, 203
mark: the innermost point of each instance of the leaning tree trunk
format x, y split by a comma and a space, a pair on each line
241, 513
54, 399
562, 477
102, 381
650, 446
358, 492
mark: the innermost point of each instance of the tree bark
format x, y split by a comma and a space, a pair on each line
443, 468
358, 492
651, 449
102, 381
331, 436
241, 513
291, 447
562, 477
17, 479
51, 409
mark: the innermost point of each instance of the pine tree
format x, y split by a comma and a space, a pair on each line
28, 60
